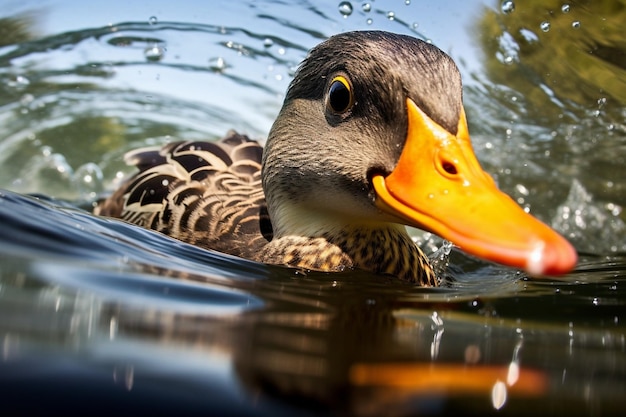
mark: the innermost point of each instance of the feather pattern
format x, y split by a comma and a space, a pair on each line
204, 193
209, 194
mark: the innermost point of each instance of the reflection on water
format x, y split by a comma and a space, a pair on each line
127, 318
134, 308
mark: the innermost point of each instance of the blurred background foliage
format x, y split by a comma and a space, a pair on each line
571, 53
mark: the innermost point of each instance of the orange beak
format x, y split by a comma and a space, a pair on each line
439, 186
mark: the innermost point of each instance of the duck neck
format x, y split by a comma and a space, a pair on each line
331, 243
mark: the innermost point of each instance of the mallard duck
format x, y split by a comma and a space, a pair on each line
371, 137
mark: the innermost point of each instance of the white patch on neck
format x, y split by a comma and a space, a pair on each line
301, 220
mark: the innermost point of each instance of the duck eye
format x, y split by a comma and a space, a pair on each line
339, 95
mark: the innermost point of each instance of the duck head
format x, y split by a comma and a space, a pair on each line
373, 131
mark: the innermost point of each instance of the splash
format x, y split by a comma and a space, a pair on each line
580, 214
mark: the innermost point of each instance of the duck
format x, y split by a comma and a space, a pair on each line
372, 137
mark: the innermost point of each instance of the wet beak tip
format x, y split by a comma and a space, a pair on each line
551, 259
536, 263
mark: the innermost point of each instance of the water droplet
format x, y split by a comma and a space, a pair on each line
576, 24
498, 395
545, 26
366, 7
153, 20
522, 189
268, 42
345, 8
507, 6
407, 2
154, 53
26, 99
291, 70
565, 8
22, 81
217, 64
52, 171
19, 82
391, 15
88, 179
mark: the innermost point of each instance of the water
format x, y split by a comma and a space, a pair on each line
99, 315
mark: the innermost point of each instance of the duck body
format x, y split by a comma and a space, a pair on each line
371, 137
209, 194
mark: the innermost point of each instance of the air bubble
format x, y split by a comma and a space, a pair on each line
565, 8
345, 8
391, 15
545, 26
366, 7
507, 7
268, 42
576, 24
369, 21
153, 20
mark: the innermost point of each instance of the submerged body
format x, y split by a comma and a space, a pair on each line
372, 136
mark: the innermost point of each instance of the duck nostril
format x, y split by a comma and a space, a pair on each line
449, 168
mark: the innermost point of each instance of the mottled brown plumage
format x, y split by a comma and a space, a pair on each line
312, 204
204, 193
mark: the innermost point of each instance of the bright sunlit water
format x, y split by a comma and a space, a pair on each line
99, 316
